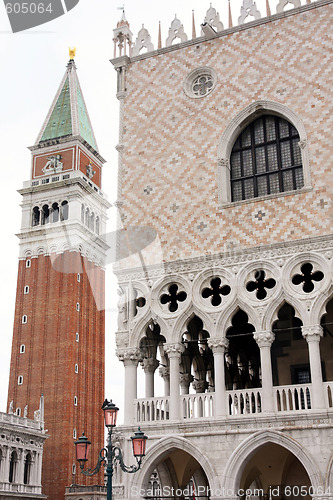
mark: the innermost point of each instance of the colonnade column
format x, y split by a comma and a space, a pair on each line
312, 334
265, 341
130, 357
165, 374
149, 367
219, 346
174, 352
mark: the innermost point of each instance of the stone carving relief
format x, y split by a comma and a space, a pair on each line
283, 3
90, 171
143, 41
53, 165
248, 8
176, 31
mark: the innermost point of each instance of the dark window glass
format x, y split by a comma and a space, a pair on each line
266, 159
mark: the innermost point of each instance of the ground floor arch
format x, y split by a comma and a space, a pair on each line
174, 469
267, 463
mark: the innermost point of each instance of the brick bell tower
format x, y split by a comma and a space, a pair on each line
58, 340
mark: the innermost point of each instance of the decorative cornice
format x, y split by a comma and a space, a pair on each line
239, 256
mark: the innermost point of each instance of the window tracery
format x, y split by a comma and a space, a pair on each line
266, 159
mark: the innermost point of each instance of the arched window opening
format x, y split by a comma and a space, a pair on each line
197, 359
97, 225
290, 357
35, 216
45, 215
266, 159
64, 210
55, 212
12, 467
243, 356
27, 469
87, 218
82, 213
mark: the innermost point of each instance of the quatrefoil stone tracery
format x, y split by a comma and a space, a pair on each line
173, 297
307, 277
202, 85
216, 291
260, 284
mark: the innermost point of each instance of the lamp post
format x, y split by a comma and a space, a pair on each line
110, 454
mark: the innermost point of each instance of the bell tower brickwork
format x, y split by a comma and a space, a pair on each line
58, 340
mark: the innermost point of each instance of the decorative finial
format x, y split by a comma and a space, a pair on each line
72, 53
230, 17
268, 9
159, 36
194, 34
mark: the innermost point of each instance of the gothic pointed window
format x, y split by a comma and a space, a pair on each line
266, 159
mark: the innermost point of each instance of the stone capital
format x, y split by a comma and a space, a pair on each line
199, 386
218, 345
150, 364
312, 333
174, 350
129, 356
264, 339
185, 379
164, 372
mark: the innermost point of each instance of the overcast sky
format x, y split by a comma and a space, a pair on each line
32, 65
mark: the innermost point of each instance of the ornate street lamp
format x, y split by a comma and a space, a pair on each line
110, 454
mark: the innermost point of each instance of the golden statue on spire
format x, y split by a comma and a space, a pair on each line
72, 53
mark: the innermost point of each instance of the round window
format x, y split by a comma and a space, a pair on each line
200, 82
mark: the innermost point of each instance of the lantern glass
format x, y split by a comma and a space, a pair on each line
139, 444
110, 413
82, 448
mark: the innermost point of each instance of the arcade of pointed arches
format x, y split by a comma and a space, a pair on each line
273, 336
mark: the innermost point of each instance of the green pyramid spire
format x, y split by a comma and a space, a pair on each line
68, 115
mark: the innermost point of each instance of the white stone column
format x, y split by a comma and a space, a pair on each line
19, 469
39, 463
219, 346
165, 374
312, 334
174, 352
149, 367
265, 341
184, 380
6, 464
130, 358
